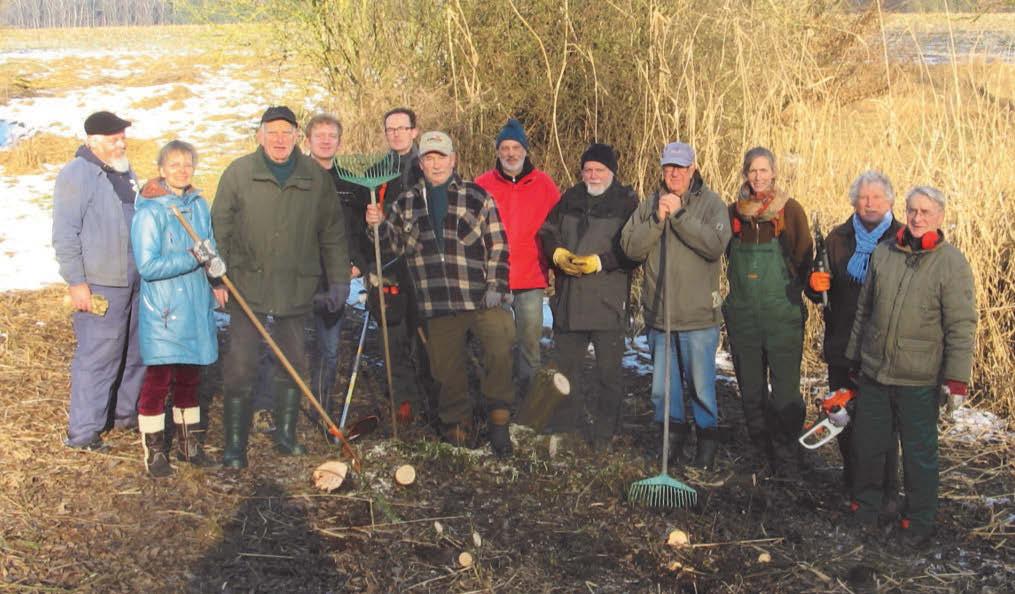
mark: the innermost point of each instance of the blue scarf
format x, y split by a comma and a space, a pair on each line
866, 241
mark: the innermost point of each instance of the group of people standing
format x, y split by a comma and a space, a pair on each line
475, 259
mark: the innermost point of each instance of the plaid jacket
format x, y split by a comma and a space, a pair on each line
475, 254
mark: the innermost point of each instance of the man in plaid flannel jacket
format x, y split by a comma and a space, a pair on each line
451, 236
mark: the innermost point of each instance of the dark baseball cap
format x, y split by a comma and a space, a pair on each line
104, 123
279, 112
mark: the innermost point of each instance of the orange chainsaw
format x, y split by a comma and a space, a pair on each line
835, 408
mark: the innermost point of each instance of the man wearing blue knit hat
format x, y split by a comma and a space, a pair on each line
524, 196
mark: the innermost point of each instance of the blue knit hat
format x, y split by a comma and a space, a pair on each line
512, 130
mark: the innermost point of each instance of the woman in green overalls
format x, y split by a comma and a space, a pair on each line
768, 258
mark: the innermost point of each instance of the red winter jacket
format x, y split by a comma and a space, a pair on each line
523, 206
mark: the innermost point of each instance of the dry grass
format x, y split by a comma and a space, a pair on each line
32, 154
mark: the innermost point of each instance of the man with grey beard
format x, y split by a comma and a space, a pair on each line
93, 205
524, 196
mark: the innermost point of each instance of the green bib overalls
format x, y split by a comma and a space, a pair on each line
765, 322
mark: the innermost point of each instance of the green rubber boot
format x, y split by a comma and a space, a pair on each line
236, 430
287, 409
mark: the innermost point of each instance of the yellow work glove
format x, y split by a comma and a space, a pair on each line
563, 259
587, 264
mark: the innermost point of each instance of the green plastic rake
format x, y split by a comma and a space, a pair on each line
371, 171
663, 490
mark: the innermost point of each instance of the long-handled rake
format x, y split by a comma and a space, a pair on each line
663, 490
371, 171
332, 428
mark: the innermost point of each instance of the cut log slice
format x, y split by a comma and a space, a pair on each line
405, 475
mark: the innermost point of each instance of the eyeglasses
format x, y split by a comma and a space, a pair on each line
397, 129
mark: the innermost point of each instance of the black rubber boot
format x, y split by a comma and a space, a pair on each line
189, 439
500, 436
287, 409
236, 429
708, 443
678, 438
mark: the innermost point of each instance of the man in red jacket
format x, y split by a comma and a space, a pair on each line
524, 196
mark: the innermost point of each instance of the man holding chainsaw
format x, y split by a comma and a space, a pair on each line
276, 221
451, 236
912, 341
835, 279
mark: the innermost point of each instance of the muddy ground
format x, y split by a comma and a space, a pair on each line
77, 521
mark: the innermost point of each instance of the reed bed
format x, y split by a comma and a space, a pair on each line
812, 82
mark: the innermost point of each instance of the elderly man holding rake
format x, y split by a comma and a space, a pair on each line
451, 236
276, 220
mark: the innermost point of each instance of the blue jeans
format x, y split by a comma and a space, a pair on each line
692, 359
528, 308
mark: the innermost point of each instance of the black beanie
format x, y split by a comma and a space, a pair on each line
600, 153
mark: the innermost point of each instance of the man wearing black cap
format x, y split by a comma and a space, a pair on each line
276, 221
581, 236
93, 205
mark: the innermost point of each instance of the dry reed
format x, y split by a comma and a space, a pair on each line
818, 90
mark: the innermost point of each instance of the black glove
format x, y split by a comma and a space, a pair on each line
338, 293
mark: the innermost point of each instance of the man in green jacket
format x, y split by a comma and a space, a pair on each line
912, 340
275, 220
680, 234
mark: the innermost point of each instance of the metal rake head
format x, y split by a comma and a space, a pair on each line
662, 491
369, 170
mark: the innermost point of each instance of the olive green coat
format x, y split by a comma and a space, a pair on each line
274, 239
699, 233
916, 317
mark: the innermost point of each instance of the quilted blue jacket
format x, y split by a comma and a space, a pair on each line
176, 324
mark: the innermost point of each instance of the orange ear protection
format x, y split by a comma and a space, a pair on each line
928, 240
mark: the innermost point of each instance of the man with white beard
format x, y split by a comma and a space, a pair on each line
592, 278
93, 205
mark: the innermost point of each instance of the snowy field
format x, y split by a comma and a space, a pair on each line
216, 112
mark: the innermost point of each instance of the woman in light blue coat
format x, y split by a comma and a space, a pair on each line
176, 327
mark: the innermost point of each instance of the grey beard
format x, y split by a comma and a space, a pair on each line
507, 169
596, 192
120, 164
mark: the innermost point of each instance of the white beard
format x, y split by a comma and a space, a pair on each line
120, 164
597, 191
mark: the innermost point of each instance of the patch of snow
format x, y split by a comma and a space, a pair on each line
26, 249
969, 425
